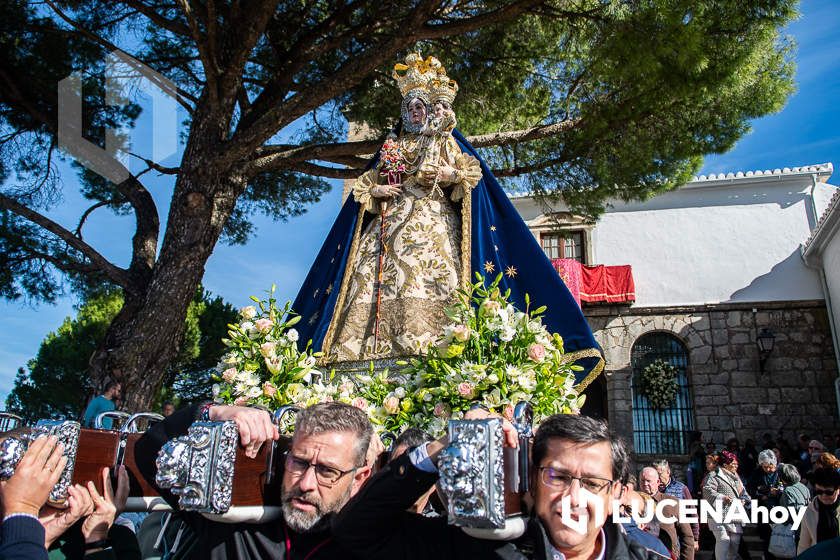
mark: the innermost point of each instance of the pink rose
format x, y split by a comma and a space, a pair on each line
229, 375
241, 401
441, 410
268, 349
263, 325
536, 352
461, 333
391, 405
360, 402
269, 390
465, 389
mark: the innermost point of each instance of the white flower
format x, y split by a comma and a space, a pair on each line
492, 379
507, 334
248, 312
254, 392
292, 335
535, 327
399, 392
216, 389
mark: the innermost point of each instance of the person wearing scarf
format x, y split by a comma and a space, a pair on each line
822, 518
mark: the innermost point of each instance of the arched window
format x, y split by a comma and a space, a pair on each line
661, 431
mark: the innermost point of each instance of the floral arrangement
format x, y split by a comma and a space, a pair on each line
393, 165
658, 382
491, 354
263, 365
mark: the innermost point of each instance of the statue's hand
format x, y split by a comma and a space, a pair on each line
385, 191
447, 174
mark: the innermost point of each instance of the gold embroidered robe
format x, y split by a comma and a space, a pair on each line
426, 256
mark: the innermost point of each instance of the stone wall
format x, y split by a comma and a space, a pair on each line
795, 393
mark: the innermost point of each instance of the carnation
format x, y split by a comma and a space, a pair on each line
292, 335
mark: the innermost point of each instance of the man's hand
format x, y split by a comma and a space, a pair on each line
511, 436
96, 525
36, 474
254, 425
57, 521
385, 191
121, 496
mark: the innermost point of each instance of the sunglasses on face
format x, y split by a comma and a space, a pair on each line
824, 492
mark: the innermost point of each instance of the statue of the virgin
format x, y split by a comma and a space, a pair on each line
419, 223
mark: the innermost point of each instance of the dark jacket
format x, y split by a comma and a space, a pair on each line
375, 525
22, 538
223, 541
680, 536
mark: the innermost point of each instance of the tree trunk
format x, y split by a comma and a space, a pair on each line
146, 335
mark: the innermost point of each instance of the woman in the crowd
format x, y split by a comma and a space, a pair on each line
764, 487
795, 494
822, 518
724, 486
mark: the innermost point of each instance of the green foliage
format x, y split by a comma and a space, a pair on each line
56, 383
658, 383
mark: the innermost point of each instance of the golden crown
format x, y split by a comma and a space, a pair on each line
424, 75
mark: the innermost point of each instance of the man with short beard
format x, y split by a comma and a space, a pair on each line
325, 466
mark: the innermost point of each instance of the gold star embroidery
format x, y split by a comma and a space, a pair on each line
510, 271
489, 267
329, 289
492, 228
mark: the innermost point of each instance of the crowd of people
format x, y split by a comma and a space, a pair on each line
334, 506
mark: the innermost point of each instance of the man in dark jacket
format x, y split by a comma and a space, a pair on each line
575, 459
324, 467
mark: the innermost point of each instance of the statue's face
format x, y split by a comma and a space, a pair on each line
417, 111
442, 108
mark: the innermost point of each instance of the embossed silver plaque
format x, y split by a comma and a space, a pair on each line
13, 448
199, 467
472, 473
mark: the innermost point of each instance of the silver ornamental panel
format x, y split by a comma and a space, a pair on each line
472, 473
199, 466
13, 448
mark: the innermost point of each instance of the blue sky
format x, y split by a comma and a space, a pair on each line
805, 132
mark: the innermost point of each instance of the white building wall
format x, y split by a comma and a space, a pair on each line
831, 266
714, 241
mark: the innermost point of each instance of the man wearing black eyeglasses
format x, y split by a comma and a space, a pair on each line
577, 470
325, 465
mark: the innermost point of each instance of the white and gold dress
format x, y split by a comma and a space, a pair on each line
426, 255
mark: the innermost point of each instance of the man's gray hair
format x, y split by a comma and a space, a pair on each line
767, 457
336, 417
788, 474
663, 464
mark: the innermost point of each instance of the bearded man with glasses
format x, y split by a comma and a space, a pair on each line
577, 470
325, 466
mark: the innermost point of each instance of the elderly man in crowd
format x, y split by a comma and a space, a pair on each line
324, 467
678, 537
574, 458
670, 486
